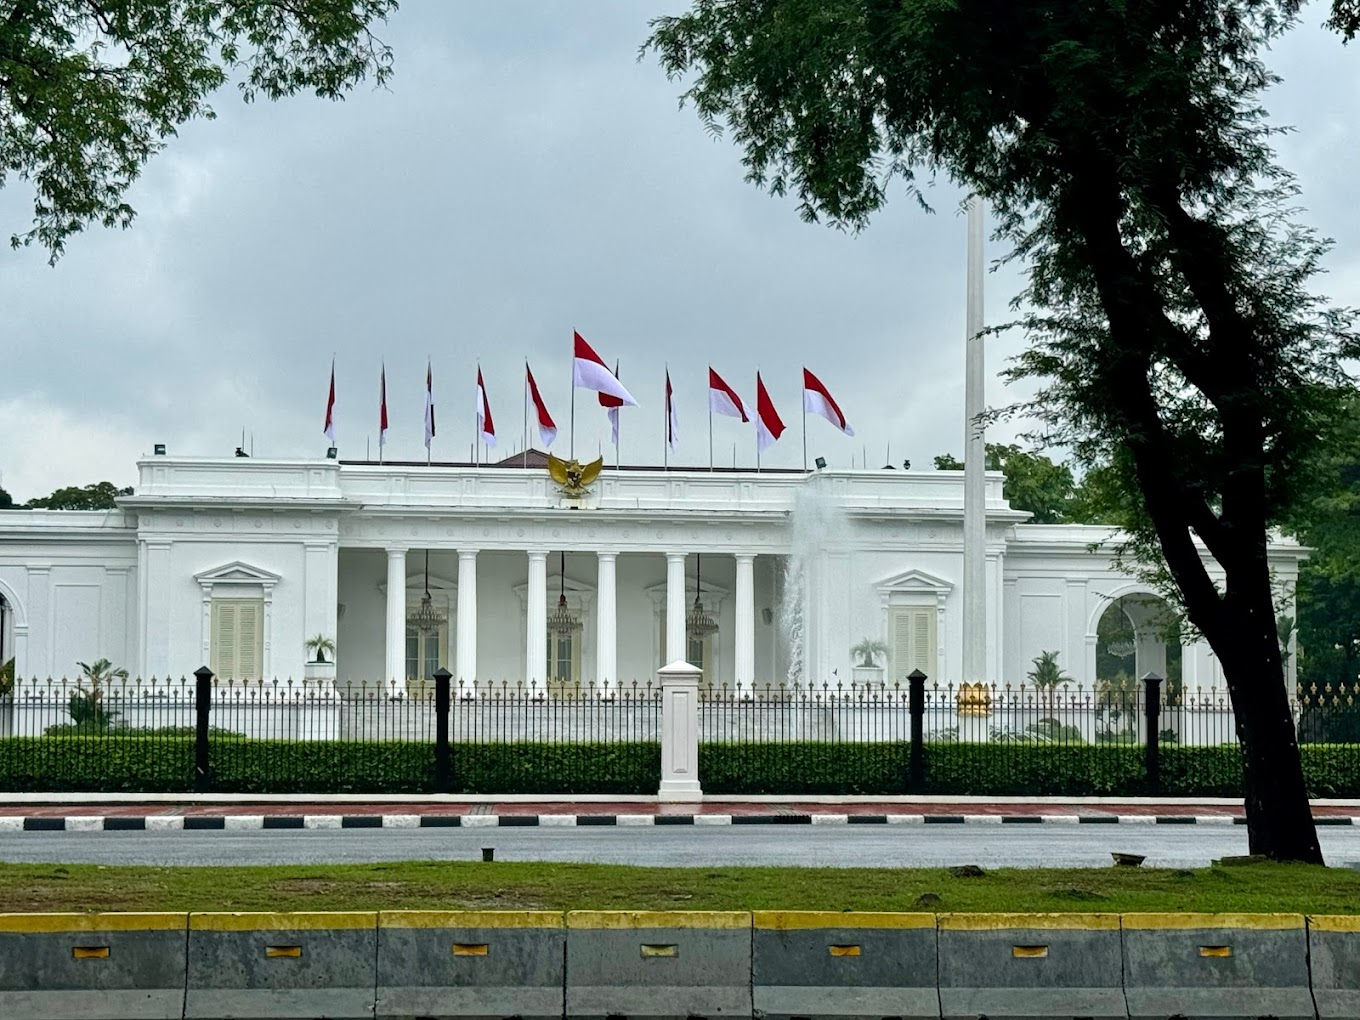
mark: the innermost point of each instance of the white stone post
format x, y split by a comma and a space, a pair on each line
396, 621
679, 732
676, 649
536, 625
465, 677
745, 611
606, 623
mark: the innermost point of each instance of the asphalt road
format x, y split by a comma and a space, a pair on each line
814, 846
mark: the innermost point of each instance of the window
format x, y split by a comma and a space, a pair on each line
699, 651
564, 660
912, 639
425, 653
237, 638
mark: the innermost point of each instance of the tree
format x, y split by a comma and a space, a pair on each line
1171, 326
89, 91
6, 500
1033, 482
95, 496
1328, 594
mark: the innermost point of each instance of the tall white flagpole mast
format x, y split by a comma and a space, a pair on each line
974, 465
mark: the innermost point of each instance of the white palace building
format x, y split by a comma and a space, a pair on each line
236, 563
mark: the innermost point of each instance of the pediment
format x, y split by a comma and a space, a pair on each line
915, 581
238, 572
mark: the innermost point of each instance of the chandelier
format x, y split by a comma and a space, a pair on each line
427, 619
698, 624
562, 620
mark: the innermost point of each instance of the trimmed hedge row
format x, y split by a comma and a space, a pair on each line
155, 765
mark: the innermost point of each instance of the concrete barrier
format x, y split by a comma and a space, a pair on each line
1030, 965
810, 964
643, 964
446, 965
276, 966
1334, 964
92, 966
1216, 966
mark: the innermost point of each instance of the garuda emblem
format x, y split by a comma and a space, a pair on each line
572, 476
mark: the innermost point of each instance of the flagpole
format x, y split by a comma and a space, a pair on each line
710, 433
526, 412
805, 430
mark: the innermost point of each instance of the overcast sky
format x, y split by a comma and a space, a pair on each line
524, 175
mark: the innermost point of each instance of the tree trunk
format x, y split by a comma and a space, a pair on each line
1279, 819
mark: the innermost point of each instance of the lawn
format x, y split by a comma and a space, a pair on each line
475, 885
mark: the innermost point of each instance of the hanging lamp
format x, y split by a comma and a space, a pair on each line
562, 620
699, 624
427, 619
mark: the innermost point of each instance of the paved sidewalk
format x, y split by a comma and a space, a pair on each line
243, 813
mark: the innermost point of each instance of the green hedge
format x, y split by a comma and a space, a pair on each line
138, 764
144, 764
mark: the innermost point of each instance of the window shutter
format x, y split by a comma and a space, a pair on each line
224, 639
901, 645
913, 642
237, 638
249, 639
923, 640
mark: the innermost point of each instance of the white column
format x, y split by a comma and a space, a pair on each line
606, 622
466, 673
974, 467
536, 624
679, 732
676, 650
745, 611
396, 619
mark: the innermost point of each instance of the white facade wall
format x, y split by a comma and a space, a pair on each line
311, 538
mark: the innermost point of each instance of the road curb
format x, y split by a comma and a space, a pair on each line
239, 823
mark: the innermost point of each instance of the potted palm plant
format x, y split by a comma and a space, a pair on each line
318, 670
7, 699
867, 672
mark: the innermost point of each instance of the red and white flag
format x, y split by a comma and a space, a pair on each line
672, 419
769, 426
329, 428
547, 428
723, 399
382, 410
486, 428
817, 400
429, 405
612, 405
589, 372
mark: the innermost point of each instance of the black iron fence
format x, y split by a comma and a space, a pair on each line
201, 733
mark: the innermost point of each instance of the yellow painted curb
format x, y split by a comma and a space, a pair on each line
790, 920
92, 922
1181, 922
626, 919
1334, 922
1045, 922
265, 921
470, 919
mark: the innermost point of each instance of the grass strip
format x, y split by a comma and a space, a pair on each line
458, 885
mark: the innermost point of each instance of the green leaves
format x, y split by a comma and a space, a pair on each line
90, 92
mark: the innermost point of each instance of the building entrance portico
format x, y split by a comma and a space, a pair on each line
497, 609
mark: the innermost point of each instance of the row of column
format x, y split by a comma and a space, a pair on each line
606, 617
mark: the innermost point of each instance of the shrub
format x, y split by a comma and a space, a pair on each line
164, 762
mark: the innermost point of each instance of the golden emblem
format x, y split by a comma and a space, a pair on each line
572, 476
974, 699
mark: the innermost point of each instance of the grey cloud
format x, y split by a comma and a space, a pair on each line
523, 176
